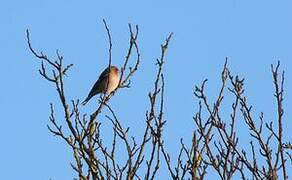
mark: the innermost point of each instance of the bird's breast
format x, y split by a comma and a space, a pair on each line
113, 83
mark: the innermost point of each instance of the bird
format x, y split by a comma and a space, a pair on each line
109, 77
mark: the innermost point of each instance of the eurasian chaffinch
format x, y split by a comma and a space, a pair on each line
109, 77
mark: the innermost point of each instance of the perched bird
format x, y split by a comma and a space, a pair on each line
109, 77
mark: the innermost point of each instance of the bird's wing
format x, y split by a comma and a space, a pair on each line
98, 85
104, 74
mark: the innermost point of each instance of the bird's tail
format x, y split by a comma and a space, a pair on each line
85, 101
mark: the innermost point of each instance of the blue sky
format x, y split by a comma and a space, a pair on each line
252, 34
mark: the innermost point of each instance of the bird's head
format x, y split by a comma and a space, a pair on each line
115, 70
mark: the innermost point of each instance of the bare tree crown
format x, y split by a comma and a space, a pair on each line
215, 147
